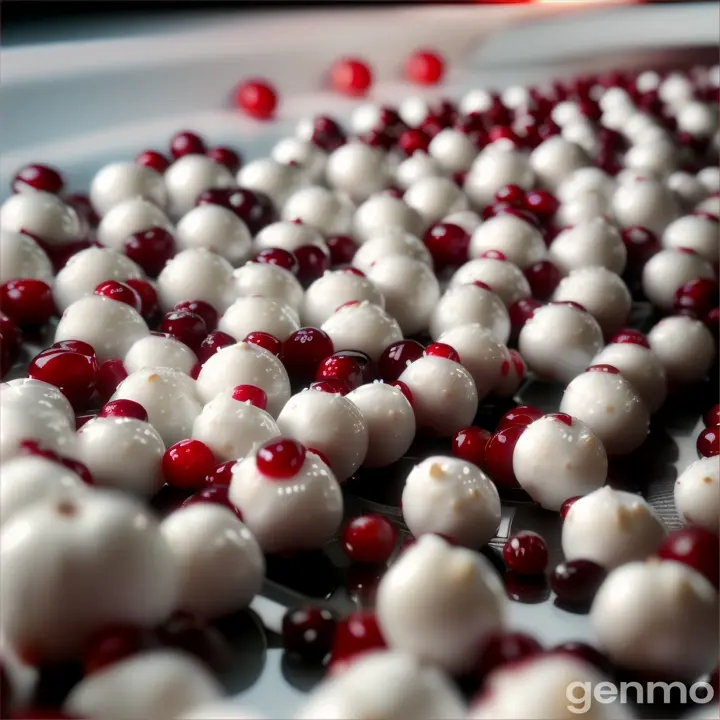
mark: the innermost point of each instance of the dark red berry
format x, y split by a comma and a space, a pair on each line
351, 76
266, 341
254, 208
641, 245
565, 507
193, 635
154, 160
280, 459
425, 67
111, 644
256, 98
124, 408
186, 143
308, 632
541, 203
499, 456
304, 350
511, 195
369, 539
327, 134
120, 292
712, 417
333, 386
696, 547
405, 390
216, 340
10, 332
521, 311
278, 256
187, 327
313, 261
708, 442
628, 335
470, 444
448, 244
503, 648
699, 296
342, 249
186, 464
214, 494
413, 140
150, 249
250, 394
76, 346
206, 311
526, 553
521, 415
38, 177
543, 277
575, 582
397, 357
357, 633
149, 303
226, 157
73, 373
110, 374
340, 367
443, 350
28, 302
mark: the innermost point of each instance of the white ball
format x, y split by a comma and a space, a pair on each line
47, 427
710, 205
601, 292
710, 178
594, 242
35, 395
435, 197
380, 212
639, 366
233, 429
555, 158
466, 304
586, 180
698, 119
390, 241
684, 346
696, 494
658, 617
117, 569
410, 289
168, 397
190, 176
559, 341
402, 687
122, 453
287, 236
504, 278
154, 351
658, 157
120, 181
581, 209
648, 203
495, 167
259, 314
127, 218
611, 528
558, 457
468, 220
519, 241
275, 179
215, 228
245, 364
302, 154
453, 149
566, 112
667, 271
390, 421
476, 101
445, 398
330, 424
21, 257
29, 479
268, 281
111, 327
612, 408
158, 684
362, 326
695, 233
414, 110
221, 565
418, 166
302, 512
43, 215
582, 133
333, 289
327, 211
687, 189
85, 270
450, 497
357, 170
196, 274
446, 621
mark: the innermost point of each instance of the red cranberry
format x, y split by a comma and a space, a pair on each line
112, 644
412, 141
609, 369
438, 349
470, 444
397, 357
351, 76
699, 296
405, 390
149, 303
214, 494
340, 367
281, 459
585, 653
712, 416
72, 372
115, 290
575, 582
543, 277
27, 302
186, 464
186, 143
390, 121
216, 340
448, 244
503, 132
357, 633
221, 474
628, 335
150, 249
38, 177
502, 648
313, 261
562, 417
6, 357
425, 67
521, 415
521, 311
226, 157
641, 245
76, 346
565, 507
124, 408
510, 194
327, 134
110, 374
499, 456
252, 394
256, 98
193, 635
206, 311
79, 469
528, 589
379, 139
308, 632
154, 160
342, 249
10, 332
369, 539
304, 350
254, 208
266, 341
526, 553
278, 256
708, 442
187, 327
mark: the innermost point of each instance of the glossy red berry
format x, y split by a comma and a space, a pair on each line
187, 327
425, 67
543, 278
541, 203
630, 336
712, 417
526, 553
254, 208
186, 464
357, 633
250, 394
308, 632
124, 408
206, 311
499, 456
350, 76
221, 474
369, 539
342, 249
154, 160
281, 459
73, 373
111, 644
186, 143
120, 292
226, 157
503, 648
278, 256
448, 244
110, 374
304, 350
470, 444
413, 140
698, 296
405, 390
641, 245
438, 349
340, 367
214, 494
521, 311
521, 415
257, 98
708, 442
10, 332
696, 547
150, 249
565, 507
149, 303
397, 357
575, 582
76, 346
266, 341
28, 302
327, 134
510, 194
313, 261
214, 341
38, 177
